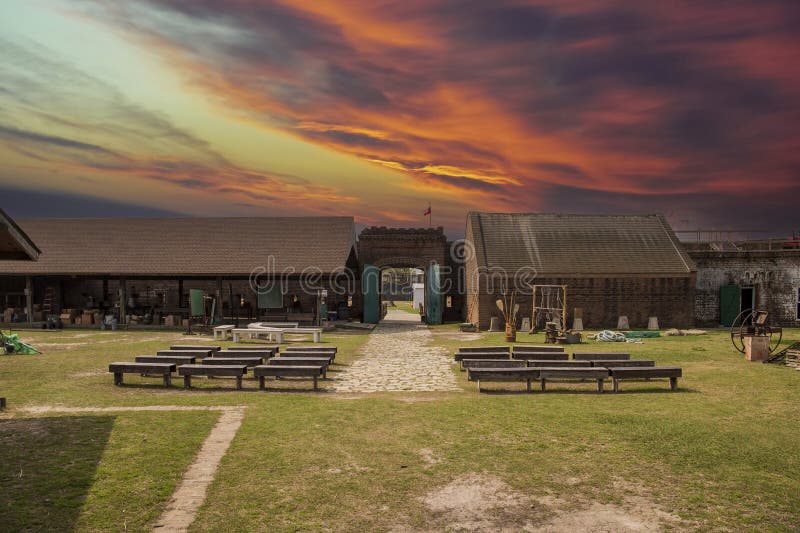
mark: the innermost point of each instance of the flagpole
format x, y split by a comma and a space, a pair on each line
430, 216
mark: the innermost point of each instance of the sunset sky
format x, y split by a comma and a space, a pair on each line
376, 108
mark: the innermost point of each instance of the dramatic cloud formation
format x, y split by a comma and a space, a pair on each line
688, 108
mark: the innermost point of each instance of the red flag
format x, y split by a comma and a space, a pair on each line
427, 212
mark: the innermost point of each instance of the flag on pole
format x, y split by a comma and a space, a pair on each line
427, 211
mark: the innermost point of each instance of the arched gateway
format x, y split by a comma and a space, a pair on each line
424, 248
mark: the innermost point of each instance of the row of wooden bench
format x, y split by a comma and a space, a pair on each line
310, 362
600, 374
528, 363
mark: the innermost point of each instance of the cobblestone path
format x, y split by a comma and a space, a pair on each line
398, 357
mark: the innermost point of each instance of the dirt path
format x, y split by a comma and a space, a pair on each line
182, 507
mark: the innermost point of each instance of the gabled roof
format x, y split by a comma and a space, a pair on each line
578, 245
186, 246
15, 245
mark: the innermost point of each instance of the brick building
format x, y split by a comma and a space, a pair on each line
148, 265
734, 277
611, 265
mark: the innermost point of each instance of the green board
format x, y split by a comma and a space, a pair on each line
270, 297
196, 301
370, 280
433, 295
729, 304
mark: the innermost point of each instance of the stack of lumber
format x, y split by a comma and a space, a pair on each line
793, 358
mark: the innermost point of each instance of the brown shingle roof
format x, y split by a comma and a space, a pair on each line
565, 245
186, 246
14, 243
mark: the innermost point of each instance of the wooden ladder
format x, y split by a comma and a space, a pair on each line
49, 301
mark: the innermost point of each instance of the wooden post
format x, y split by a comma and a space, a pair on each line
533, 312
29, 299
123, 301
219, 301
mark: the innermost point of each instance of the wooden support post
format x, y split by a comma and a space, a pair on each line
262, 382
29, 299
123, 301
600, 385
167, 379
187, 381
673, 383
615, 382
315, 382
117, 378
219, 301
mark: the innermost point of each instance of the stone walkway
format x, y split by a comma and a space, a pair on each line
398, 358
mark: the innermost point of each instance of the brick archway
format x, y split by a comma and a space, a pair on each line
383, 247
402, 247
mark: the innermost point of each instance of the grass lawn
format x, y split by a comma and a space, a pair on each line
720, 454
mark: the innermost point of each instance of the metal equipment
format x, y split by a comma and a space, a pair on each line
753, 323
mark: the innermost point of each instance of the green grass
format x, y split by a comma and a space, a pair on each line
404, 306
94, 472
721, 453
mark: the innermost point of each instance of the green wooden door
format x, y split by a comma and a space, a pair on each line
433, 295
370, 281
729, 303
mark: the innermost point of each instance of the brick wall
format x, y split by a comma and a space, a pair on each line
603, 300
775, 275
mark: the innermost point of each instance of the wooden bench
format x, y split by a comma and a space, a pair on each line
333, 349
601, 356
182, 347
244, 360
264, 354
624, 363
274, 334
191, 353
492, 363
222, 332
283, 360
479, 355
280, 371
163, 369
283, 325
503, 374
484, 349
170, 359
538, 348
330, 356
599, 374
255, 348
671, 372
556, 364
187, 371
316, 333
541, 356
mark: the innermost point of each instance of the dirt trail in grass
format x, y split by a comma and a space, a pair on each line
191, 492
399, 356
